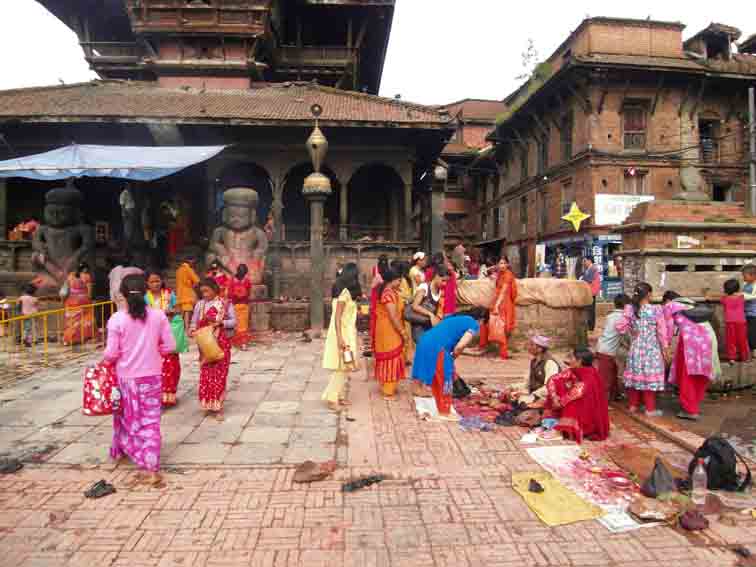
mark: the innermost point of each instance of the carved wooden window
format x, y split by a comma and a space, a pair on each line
634, 126
634, 182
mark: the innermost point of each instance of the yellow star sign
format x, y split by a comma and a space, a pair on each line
576, 217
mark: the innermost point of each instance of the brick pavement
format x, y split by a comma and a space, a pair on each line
448, 502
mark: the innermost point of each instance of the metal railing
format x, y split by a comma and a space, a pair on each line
49, 337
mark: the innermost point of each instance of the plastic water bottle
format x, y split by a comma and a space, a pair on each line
699, 483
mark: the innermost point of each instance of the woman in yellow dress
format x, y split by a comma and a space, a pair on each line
339, 355
390, 336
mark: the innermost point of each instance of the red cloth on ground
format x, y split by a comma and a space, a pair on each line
638, 398
607, 369
692, 386
737, 342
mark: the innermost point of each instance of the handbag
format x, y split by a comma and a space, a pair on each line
179, 334
208, 343
101, 395
497, 328
414, 318
660, 481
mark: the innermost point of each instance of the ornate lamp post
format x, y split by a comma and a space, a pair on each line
316, 189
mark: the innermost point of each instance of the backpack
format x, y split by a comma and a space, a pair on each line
720, 461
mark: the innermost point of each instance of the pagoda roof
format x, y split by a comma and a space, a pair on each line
270, 104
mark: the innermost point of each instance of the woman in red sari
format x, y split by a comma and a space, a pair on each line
238, 294
577, 399
76, 294
212, 310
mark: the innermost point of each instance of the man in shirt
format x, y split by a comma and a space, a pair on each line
608, 346
542, 368
592, 277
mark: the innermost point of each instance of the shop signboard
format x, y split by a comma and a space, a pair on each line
614, 209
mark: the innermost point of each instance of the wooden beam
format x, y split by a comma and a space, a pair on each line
555, 122
361, 34
350, 26
583, 98
519, 138
541, 125
657, 96
699, 97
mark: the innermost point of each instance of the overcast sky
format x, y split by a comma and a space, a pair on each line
440, 50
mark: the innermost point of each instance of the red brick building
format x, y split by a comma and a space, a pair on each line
623, 111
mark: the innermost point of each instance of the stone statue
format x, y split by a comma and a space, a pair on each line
239, 240
62, 242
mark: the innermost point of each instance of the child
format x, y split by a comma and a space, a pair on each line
608, 345
735, 323
29, 306
749, 276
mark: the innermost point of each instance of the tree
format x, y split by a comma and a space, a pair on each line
529, 61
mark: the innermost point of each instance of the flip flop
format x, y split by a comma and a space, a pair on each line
100, 489
11, 466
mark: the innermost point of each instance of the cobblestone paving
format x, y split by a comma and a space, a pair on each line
448, 502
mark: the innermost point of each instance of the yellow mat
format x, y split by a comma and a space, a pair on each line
557, 505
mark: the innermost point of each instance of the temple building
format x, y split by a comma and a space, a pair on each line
624, 111
244, 75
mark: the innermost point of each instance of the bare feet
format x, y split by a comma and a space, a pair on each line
334, 407
345, 403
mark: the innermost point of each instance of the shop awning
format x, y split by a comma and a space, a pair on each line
137, 163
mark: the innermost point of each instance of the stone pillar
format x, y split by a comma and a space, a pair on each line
214, 168
275, 253
344, 212
437, 217
3, 209
408, 232
317, 258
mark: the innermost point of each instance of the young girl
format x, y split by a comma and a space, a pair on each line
137, 340
736, 337
214, 311
342, 335
162, 298
29, 306
649, 350
238, 293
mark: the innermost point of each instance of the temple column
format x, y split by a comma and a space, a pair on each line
275, 253
437, 216
344, 212
3, 209
214, 168
408, 232
317, 258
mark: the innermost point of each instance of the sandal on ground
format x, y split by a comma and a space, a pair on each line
100, 489
10, 466
346, 403
688, 416
334, 407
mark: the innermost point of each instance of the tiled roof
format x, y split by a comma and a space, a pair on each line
477, 109
739, 63
273, 103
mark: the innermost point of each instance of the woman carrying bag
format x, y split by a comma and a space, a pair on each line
213, 325
162, 298
137, 341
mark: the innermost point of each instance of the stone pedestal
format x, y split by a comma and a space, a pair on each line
259, 316
292, 317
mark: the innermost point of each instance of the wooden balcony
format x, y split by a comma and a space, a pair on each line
326, 56
233, 17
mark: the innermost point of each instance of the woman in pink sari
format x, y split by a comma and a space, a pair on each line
696, 361
138, 339
577, 399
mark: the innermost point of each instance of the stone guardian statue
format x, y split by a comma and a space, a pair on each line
62, 242
239, 240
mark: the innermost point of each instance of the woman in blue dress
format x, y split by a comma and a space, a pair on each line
435, 354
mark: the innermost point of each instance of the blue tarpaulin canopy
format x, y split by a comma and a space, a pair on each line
138, 163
